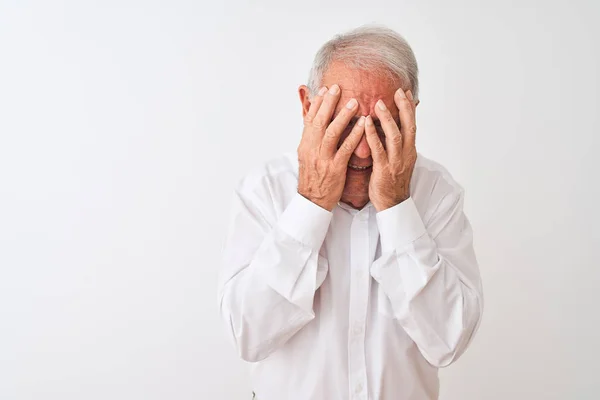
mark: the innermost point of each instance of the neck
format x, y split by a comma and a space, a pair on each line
355, 203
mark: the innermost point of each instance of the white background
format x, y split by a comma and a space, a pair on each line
125, 124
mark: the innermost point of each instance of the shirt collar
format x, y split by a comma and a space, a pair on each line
353, 210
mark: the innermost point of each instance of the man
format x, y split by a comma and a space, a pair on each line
349, 270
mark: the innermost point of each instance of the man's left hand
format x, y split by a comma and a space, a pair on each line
393, 164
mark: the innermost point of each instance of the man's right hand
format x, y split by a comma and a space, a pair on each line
322, 166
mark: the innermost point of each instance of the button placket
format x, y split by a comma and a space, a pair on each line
359, 292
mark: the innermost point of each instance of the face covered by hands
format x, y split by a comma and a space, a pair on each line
381, 158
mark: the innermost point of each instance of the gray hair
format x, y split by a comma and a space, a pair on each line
369, 47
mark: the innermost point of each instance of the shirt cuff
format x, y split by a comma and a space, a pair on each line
305, 221
399, 225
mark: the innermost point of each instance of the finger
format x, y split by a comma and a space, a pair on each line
330, 100
338, 126
349, 145
412, 100
377, 151
314, 106
408, 127
393, 138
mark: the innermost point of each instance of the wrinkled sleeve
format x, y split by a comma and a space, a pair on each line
430, 276
270, 272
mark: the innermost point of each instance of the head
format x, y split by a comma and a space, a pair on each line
368, 63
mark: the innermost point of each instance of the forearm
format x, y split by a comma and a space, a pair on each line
433, 285
261, 318
266, 300
437, 309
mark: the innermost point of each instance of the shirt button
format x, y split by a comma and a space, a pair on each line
358, 388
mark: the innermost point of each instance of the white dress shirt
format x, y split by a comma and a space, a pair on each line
348, 304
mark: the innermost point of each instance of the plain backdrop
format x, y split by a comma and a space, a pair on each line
124, 126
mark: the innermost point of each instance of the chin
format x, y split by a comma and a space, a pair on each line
356, 191
356, 200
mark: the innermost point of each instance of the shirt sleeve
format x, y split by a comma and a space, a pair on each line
270, 272
430, 276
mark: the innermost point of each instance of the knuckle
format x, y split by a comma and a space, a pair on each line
330, 132
347, 147
318, 123
412, 156
377, 145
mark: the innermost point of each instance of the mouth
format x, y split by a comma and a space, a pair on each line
358, 168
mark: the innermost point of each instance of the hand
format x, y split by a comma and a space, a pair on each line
392, 169
322, 166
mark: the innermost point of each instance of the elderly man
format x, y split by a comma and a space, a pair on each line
349, 270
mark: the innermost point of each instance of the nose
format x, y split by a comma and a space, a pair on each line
362, 150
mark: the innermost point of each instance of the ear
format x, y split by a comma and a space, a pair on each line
417, 103
303, 92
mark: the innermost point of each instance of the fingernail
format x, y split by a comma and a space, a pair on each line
381, 105
369, 121
322, 91
409, 95
361, 121
350, 105
334, 89
401, 93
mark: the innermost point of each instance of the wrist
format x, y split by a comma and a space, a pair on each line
321, 202
384, 205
